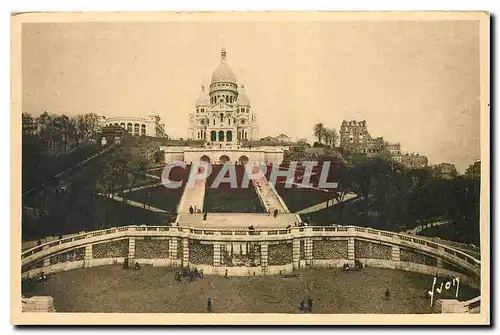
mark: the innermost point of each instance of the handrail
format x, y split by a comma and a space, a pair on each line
238, 232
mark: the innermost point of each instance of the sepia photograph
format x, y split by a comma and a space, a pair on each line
250, 168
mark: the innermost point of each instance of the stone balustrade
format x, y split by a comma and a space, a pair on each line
279, 250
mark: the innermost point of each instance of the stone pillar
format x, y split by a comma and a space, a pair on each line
131, 251
439, 260
351, 253
217, 254
264, 256
172, 248
185, 251
88, 255
296, 253
308, 250
395, 253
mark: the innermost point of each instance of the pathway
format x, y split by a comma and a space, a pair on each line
193, 195
116, 197
268, 196
237, 221
323, 205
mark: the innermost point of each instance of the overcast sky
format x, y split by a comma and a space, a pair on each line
416, 83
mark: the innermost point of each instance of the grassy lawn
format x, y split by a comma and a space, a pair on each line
232, 200
297, 199
224, 199
110, 289
158, 196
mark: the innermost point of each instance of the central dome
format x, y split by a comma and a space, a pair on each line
223, 74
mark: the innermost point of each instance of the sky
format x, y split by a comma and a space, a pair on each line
414, 82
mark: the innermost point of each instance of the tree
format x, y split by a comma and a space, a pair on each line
330, 136
319, 131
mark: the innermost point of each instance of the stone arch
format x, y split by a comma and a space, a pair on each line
243, 159
205, 159
129, 127
122, 125
221, 136
224, 159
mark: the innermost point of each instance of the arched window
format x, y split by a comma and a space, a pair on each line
129, 127
229, 136
136, 129
214, 122
221, 136
227, 99
213, 136
122, 125
221, 117
229, 120
143, 130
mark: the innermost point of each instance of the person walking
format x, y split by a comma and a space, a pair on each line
387, 294
209, 305
225, 275
191, 210
309, 304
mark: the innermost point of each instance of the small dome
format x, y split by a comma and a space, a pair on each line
242, 97
202, 98
223, 74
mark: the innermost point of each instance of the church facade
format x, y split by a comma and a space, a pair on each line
222, 116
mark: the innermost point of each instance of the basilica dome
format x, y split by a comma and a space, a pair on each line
223, 74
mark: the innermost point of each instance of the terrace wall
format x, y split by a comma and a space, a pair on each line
281, 251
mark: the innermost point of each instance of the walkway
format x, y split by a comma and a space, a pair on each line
268, 196
193, 195
323, 205
136, 204
237, 220
140, 187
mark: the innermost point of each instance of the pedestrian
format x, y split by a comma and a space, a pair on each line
191, 210
309, 304
269, 212
209, 305
201, 273
302, 306
387, 294
195, 209
205, 217
275, 212
225, 275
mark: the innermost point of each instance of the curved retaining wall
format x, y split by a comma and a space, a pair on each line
243, 252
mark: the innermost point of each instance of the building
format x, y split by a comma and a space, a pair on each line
411, 161
474, 170
137, 126
222, 116
444, 171
354, 136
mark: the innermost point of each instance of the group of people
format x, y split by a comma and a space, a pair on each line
194, 210
127, 266
190, 274
358, 266
275, 212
